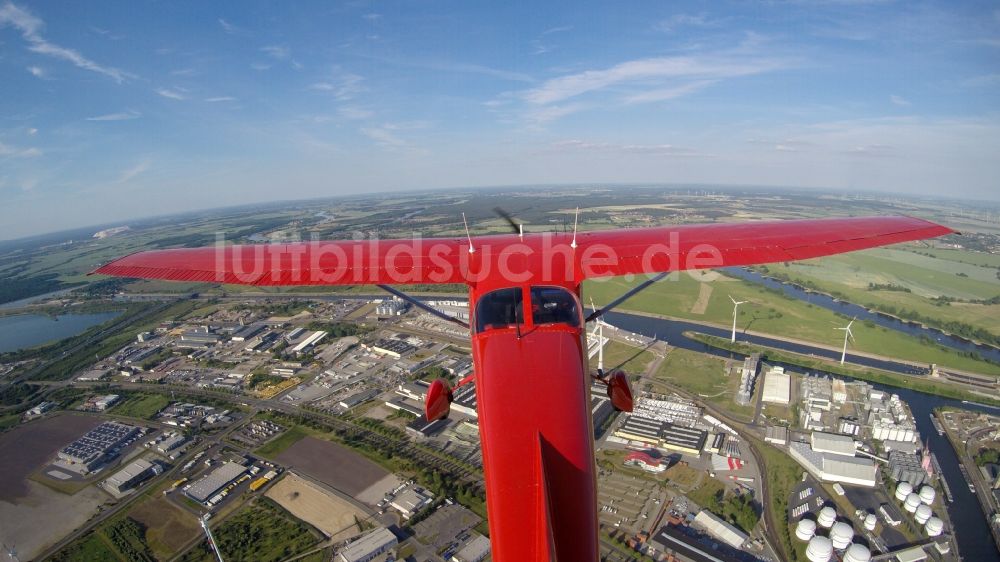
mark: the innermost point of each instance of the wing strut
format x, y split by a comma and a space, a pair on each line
627, 295
422, 305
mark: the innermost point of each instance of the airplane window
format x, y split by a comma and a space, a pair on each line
499, 309
550, 305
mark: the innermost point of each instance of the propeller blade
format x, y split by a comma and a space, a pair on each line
514, 225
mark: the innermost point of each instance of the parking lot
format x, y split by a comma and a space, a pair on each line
628, 503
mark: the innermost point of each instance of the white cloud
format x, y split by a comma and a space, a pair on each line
30, 27
669, 93
219, 99
38, 72
650, 149
642, 72
7, 151
231, 28
172, 94
121, 116
372, 17
260, 66
277, 51
383, 137
355, 112
684, 20
343, 85
899, 100
32, 131
130, 173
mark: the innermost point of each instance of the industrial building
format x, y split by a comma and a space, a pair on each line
219, 478
100, 403
834, 467
777, 386
132, 475
748, 375
359, 398
464, 401
98, 445
411, 500
422, 429
906, 467
475, 551
416, 390
832, 443
391, 347
310, 342
671, 540
248, 332
171, 442
776, 434
719, 529
663, 434
391, 307
200, 336
369, 546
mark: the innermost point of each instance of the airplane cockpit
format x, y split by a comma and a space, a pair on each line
504, 308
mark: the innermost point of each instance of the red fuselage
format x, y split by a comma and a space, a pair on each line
533, 393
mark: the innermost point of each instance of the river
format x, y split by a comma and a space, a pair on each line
975, 541
28, 330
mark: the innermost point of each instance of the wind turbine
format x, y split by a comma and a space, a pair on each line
599, 329
12, 552
847, 335
736, 304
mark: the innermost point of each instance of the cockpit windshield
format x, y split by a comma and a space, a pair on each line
499, 309
552, 305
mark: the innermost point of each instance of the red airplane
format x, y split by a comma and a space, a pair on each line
527, 331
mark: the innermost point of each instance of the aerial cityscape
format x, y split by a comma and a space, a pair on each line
391, 281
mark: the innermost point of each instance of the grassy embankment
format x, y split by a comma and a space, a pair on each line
770, 312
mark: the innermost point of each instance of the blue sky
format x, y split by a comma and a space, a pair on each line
114, 110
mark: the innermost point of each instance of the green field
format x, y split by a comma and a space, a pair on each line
617, 355
91, 548
769, 312
260, 532
704, 376
141, 405
782, 474
275, 446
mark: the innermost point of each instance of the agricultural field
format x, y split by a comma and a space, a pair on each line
260, 532
167, 527
335, 517
335, 465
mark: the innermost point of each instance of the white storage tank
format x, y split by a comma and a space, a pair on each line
923, 514
857, 553
820, 549
902, 490
841, 534
870, 521
911, 503
806, 529
927, 495
827, 517
934, 526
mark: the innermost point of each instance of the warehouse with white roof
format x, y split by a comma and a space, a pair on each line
777, 386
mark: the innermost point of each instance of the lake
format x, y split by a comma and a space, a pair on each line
28, 330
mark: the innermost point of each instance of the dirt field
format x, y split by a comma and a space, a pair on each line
26, 448
332, 464
168, 527
704, 294
333, 516
43, 516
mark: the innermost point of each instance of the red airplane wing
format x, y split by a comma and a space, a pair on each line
533, 258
